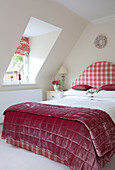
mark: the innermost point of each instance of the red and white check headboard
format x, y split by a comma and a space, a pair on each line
97, 75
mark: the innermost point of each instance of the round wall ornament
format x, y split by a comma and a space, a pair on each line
100, 41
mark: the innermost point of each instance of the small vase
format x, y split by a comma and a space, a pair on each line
56, 87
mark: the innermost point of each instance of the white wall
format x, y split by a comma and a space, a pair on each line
14, 16
85, 53
40, 47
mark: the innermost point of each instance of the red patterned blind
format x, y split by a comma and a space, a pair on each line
97, 75
23, 47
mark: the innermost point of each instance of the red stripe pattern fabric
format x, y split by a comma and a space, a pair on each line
97, 75
23, 47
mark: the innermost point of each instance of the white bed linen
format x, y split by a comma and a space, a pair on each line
106, 105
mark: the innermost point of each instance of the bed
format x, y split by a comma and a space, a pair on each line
77, 131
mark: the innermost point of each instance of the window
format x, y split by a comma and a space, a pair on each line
17, 70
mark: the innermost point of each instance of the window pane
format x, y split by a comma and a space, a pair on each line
18, 65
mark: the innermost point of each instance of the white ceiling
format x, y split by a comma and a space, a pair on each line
37, 27
96, 11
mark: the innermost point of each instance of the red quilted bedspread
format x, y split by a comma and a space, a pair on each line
78, 136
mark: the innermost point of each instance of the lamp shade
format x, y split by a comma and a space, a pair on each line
63, 70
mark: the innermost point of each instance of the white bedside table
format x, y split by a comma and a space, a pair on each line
51, 95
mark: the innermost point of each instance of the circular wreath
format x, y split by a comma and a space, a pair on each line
100, 41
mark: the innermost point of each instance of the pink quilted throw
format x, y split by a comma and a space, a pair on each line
78, 137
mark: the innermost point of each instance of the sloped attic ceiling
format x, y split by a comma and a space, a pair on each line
14, 16
95, 11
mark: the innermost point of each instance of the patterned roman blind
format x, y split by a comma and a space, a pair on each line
23, 47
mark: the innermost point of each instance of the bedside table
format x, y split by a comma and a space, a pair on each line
51, 95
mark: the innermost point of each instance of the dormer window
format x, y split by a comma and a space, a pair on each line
25, 65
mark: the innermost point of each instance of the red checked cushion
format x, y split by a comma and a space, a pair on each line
108, 87
81, 87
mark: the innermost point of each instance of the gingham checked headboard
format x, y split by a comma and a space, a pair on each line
97, 75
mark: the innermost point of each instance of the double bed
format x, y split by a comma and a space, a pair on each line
77, 130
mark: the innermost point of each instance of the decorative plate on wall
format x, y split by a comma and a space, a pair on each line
100, 41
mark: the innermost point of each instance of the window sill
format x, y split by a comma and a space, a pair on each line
18, 85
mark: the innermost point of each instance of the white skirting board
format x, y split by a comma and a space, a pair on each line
8, 98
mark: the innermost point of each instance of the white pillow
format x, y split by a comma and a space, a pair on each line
105, 94
72, 92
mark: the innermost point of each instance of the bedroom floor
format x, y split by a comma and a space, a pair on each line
14, 158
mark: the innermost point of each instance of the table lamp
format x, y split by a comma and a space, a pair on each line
63, 72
